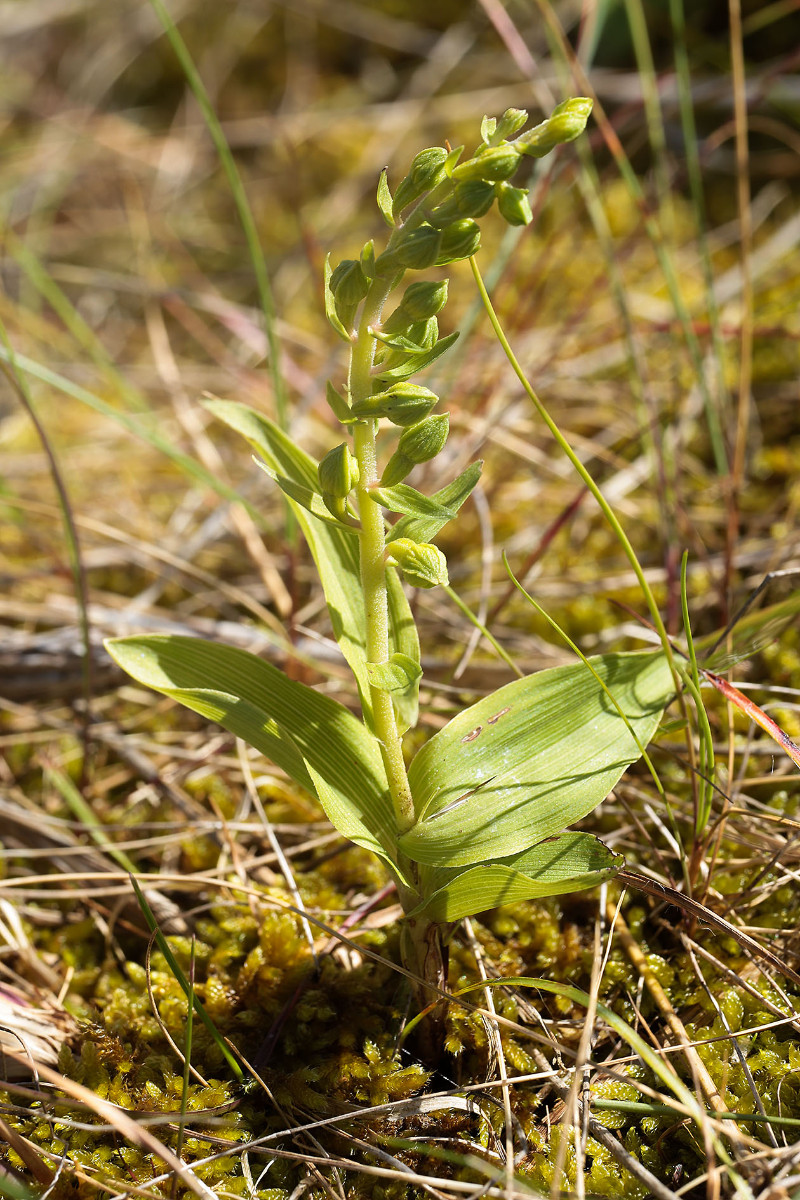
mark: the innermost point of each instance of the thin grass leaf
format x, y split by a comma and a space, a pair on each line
527, 761
686, 1101
187, 1053
185, 985
243, 209
137, 426
749, 633
83, 812
752, 710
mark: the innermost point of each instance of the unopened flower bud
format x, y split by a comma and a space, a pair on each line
510, 123
419, 248
513, 204
422, 564
418, 444
459, 240
565, 123
349, 286
337, 472
403, 404
424, 440
420, 302
427, 169
492, 163
470, 199
348, 282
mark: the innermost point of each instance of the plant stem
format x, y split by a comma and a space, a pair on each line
372, 555
424, 951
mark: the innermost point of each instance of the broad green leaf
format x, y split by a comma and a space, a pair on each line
333, 547
311, 501
567, 862
527, 761
301, 730
418, 362
405, 499
450, 498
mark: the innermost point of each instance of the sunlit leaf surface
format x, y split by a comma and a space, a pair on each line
527, 761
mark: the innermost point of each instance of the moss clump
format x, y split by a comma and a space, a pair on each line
326, 1040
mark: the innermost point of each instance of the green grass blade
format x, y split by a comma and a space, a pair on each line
83, 811
186, 986
134, 425
240, 200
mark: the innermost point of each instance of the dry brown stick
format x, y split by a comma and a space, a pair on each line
669, 895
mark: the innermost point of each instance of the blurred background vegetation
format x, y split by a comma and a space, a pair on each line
654, 304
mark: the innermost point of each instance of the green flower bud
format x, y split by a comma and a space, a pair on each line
470, 199
420, 302
349, 284
492, 162
459, 240
422, 564
397, 468
403, 404
568, 120
418, 444
424, 440
565, 123
513, 204
419, 248
510, 123
337, 472
427, 169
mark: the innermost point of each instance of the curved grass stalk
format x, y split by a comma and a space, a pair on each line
584, 474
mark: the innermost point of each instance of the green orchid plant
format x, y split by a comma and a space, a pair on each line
480, 816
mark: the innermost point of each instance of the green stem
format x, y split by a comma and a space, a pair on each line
373, 555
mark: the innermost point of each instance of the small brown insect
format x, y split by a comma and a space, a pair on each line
470, 737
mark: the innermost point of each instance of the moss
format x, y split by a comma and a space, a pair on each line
326, 1038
